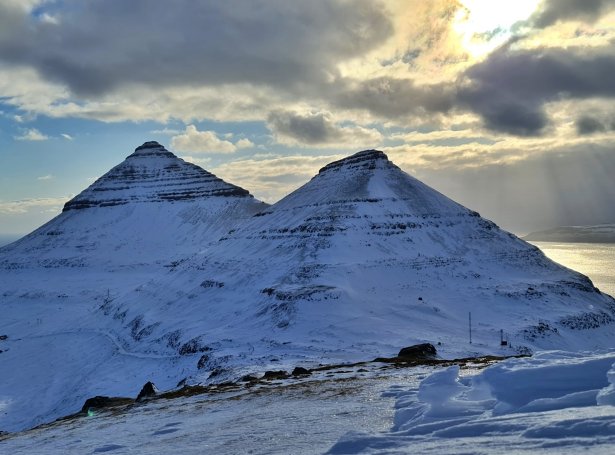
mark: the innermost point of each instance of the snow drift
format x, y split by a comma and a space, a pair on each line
551, 402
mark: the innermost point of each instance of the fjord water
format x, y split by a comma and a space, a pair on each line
596, 260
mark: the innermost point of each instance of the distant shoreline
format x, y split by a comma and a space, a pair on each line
602, 233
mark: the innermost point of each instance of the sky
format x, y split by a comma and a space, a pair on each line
503, 105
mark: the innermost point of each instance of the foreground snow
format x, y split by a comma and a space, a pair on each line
555, 402
285, 417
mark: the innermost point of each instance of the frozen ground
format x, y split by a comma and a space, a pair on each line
554, 402
298, 417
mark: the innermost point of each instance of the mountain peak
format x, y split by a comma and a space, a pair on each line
366, 159
149, 145
151, 148
152, 174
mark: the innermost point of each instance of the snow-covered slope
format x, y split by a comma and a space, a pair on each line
360, 261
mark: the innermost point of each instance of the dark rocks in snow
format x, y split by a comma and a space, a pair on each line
3, 337
212, 284
275, 374
102, 402
300, 371
193, 346
248, 378
585, 321
418, 352
203, 361
540, 330
147, 391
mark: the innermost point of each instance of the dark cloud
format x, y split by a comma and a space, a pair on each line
393, 98
553, 11
101, 44
307, 129
318, 129
589, 125
510, 88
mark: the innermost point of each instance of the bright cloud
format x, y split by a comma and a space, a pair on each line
194, 141
29, 205
32, 134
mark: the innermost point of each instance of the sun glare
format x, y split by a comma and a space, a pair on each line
483, 25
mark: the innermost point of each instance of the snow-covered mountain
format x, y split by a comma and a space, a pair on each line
149, 209
360, 261
138, 220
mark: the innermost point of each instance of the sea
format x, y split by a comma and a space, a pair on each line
596, 260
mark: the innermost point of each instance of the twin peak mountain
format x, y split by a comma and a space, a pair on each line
198, 281
361, 233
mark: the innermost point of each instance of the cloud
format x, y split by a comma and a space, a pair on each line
510, 88
392, 98
394, 62
45, 177
553, 11
36, 204
271, 177
590, 124
244, 144
66, 136
271, 42
167, 132
319, 129
32, 134
194, 141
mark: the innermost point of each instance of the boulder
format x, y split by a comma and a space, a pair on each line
277, 374
300, 371
424, 351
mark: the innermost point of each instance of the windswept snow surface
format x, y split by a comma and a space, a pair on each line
555, 402
161, 271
